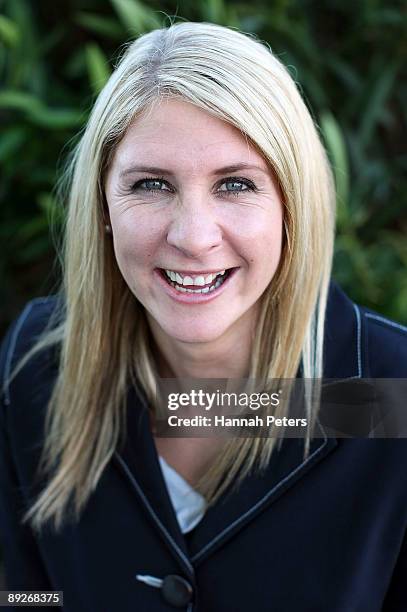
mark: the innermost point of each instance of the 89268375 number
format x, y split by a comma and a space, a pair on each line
31, 598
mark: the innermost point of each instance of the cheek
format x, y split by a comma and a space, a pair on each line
272, 235
255, 220
265, 260
135, 240
260, 238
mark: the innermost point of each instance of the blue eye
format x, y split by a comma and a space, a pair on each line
236, 186
231, 186
151, 184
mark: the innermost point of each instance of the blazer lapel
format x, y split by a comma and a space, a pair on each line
137, 459
344, 341
256, 493
138, 462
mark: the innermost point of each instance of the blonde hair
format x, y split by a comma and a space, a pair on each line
104, 334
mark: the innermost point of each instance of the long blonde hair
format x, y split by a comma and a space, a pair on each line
104, 336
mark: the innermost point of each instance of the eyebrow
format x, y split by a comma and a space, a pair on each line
224, 170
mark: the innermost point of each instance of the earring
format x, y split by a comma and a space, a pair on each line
108, 229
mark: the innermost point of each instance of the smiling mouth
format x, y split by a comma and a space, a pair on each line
183, 284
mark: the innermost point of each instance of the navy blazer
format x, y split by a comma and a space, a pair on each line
324, 534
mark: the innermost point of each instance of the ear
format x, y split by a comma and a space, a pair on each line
105, 209
106, 217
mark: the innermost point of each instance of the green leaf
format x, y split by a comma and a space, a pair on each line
378, 91
10, 141
135, 16
56, 118
105, 26
214, 11
9, 32
98, 67
344, 72
24, 68
34, 227
49, 206
35, 248
335, 143
19, 100
37, 112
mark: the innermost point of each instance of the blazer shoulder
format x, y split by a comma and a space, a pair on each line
386, 345
360, 343
38, 315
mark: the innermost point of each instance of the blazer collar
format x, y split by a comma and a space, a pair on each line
138, 461
344, 342
237, 508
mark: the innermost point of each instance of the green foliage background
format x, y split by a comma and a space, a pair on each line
348, 58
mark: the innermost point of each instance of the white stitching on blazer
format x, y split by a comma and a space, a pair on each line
383, 320
262, 500
10, 352
359, 337
153, 514
13, 342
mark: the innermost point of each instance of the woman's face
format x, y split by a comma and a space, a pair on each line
187, 194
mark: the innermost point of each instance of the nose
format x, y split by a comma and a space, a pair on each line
194, 227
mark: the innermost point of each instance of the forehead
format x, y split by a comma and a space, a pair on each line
178, 133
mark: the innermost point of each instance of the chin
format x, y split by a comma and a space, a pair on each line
195, 334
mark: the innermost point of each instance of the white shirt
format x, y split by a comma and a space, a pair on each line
189, 505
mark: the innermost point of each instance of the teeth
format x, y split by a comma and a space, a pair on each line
199, 281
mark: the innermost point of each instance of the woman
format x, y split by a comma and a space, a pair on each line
198, 245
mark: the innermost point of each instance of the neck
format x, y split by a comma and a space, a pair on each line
225, 357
